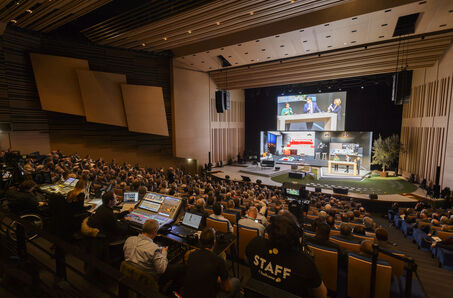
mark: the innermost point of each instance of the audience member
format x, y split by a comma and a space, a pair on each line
218, 209
206, 274
250, 221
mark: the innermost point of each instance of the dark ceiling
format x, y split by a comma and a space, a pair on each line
140, 12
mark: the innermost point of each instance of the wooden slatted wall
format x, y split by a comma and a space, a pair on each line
228, 129
424, 132
22, 106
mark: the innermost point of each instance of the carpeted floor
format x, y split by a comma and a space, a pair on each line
438, 282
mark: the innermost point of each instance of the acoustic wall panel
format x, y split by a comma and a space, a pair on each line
145, 109
57, 83
101, 96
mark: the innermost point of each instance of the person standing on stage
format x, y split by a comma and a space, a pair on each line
348, 159
335, 166
309, 108
287, 110
357, 161
335, 107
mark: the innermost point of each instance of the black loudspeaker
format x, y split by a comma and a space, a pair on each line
343, 191
258, 181
219, 102
246, 178
227, 177
402, 82
296, 175
318, 189
226, 100
277, 168
373, 196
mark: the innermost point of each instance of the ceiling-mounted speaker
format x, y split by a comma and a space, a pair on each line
219, 103
402, 85
226, 100
222, 101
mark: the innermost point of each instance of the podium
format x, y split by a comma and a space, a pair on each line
329, 119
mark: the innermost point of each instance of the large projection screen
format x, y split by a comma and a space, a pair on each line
145, 109
57, 83
102, 98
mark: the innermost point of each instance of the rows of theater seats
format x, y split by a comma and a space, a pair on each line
421, 229
355, 275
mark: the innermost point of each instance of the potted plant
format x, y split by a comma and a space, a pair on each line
385, 152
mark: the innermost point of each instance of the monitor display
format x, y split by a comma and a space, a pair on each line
150, 206
69, 181
192, 220
154, 197
169, 206
321, 111
294, 192
130, 197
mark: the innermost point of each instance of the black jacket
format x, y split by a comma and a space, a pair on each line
106, 221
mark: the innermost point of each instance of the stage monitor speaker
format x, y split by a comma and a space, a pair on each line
343, 191
227, 177
296, 175
258, 181
246, 178
219, 101
318, 189
277, 168
226, 100
373, 196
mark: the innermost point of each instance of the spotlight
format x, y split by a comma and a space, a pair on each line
361, 87
319, 90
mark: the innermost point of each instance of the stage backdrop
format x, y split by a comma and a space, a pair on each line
368, 109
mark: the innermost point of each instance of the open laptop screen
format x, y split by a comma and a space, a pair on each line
130, 197
192, 220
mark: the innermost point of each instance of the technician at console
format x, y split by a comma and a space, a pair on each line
143, 252
106, 221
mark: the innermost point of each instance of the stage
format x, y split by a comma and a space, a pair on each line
355, 189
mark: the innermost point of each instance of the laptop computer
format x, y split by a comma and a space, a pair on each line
130, 197
188, 226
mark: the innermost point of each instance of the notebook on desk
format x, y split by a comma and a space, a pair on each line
188, 226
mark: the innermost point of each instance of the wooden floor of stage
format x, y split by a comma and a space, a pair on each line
235, 175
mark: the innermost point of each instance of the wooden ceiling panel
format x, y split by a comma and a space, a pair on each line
45, 15
373, 27
380, 58
208, 21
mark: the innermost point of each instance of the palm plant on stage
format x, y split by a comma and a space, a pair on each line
386, 151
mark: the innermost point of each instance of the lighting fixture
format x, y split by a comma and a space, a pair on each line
218, 23
252, 13
164, 38
143, 44
190, 31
